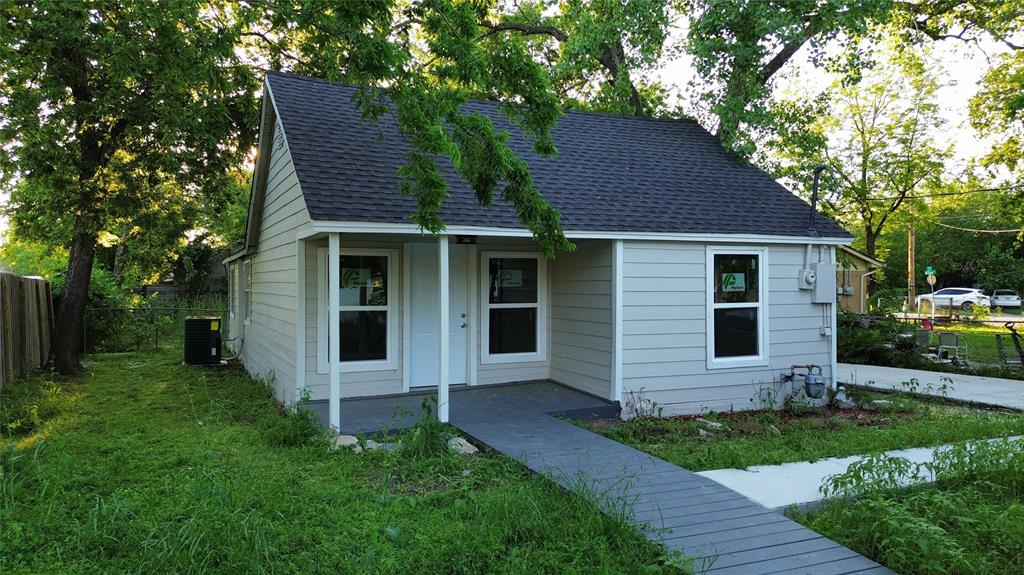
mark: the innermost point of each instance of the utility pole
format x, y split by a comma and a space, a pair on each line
911, 239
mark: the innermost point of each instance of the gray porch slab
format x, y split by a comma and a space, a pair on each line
726, 533
368, 415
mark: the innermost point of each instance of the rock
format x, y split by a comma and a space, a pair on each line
346, 441
710, 425
466, 472
772, 430
372, 445
704, 434
461, 446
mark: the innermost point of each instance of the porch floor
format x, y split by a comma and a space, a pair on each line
366, 415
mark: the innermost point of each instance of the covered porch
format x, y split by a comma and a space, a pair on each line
454, 316
484, 403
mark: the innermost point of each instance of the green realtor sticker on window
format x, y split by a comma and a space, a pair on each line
734, 282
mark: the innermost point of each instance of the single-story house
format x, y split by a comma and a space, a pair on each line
692, 283
852, 273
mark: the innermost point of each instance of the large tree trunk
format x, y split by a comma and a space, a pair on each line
870, 248
67, 337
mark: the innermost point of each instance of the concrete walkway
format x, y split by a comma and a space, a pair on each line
994, 391
780, 486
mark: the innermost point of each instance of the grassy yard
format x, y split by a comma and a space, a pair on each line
969, 522
767, 437
981, 340
145, 465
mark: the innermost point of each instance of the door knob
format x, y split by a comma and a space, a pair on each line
464, 324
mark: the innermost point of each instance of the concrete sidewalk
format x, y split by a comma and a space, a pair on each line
780, 486
995, 391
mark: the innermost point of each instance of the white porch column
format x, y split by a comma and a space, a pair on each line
334, 327
443, 364
300, 318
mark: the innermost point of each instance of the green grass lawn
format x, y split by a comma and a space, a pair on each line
810, 434
145, 465
969, 522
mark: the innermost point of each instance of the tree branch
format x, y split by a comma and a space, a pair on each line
527, 29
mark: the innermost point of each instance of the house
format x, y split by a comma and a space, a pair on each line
693, 281
852, 273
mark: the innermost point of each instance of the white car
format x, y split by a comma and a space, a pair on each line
962, 298
1005, 298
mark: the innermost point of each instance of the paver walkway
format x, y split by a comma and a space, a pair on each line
1007, 393
726, 533
780, 486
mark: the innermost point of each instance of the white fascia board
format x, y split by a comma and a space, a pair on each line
413, 229
233, 257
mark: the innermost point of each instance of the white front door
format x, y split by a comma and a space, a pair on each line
424, 319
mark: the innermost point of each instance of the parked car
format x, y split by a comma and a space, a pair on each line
963, 298
1005, 298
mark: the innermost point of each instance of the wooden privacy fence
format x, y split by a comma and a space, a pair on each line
26, 324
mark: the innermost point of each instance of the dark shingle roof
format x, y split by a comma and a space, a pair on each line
613, 173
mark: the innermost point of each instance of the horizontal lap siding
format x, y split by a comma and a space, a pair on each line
664, 321
268, 348
360, 383
581, 318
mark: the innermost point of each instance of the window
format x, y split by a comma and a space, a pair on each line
514, 303
366, 310
247, 289
737, 331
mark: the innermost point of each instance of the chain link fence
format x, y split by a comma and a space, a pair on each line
141, 328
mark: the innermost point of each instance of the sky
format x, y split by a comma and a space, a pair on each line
963, 64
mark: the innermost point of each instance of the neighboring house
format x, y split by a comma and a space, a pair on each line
685, 285
855, 267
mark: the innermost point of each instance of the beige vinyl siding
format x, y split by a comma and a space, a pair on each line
581, 318
268, 349
360, 383
664, 337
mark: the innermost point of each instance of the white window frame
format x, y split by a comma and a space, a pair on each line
762, 358
322, 335
486, 357
247, 291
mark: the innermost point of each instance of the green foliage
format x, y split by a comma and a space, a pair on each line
881, 342
809, 433
428, 437
149, 465
968, 522
961, 257
28, 258
878, 139
118, 146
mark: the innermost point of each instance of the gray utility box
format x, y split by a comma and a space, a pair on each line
202, 340
824, 290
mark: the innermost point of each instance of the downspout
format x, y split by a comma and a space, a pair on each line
863, 287
811, 230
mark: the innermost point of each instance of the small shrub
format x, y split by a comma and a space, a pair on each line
296, 427
428, 438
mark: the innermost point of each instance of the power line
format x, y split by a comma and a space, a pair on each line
1016, 231
944, 194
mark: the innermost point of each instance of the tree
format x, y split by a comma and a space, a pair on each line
961, 231
739, 47
113, 109
998, 109
877, 139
